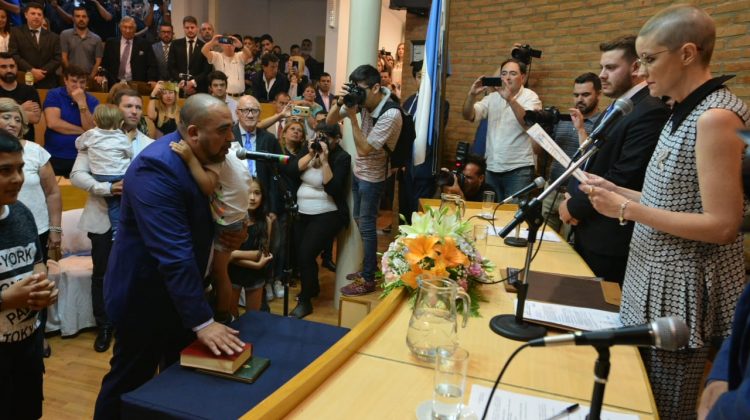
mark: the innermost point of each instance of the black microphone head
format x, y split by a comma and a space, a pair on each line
539, 182
670, 333
240, 153
623, 105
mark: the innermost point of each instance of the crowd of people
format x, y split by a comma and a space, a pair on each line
658, 212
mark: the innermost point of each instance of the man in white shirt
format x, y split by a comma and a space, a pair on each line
94, 218
509, 153
228, 61
217, 87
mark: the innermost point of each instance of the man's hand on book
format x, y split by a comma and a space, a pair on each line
220, 339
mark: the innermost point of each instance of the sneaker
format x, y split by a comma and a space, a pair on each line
278, 289
269, 292
358, 288
355, 276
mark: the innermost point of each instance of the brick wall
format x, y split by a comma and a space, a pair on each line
482, 33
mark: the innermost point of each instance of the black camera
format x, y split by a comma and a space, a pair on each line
548, 116
315, 146
185, 76
356, 95
445, 178
524, 53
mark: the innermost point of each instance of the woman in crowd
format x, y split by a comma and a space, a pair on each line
4, 30
324, 171
686, 256
292, 138
398, 65
39, 192
292, 144
308, 100
163, 109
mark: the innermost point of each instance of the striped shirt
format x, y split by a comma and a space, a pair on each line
373, 166
566, 136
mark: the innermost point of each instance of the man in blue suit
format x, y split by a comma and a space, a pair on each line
153, 289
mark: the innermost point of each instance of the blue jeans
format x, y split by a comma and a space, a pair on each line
507, 183
366, 197
113, 202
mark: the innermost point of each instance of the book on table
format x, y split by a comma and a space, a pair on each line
569, 302
247, 373
197, 355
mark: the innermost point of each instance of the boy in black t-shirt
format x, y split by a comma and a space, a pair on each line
24, 290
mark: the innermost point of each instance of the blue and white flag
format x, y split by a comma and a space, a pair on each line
425, 123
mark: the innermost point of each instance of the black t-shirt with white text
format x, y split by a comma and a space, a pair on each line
19, 252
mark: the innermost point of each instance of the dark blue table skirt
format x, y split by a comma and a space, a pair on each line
291, 344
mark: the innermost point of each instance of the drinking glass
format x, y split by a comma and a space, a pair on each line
488, 204
451, 364
480, 238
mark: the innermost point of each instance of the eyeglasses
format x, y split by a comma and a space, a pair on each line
646, 60
248, 111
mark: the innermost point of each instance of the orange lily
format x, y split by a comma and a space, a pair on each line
420, 247
410, 278
450, 255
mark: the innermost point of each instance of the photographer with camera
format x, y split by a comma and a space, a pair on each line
381, 127
324, 172
509, 153
469, 182
230, 61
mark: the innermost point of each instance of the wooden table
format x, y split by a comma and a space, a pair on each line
373, 374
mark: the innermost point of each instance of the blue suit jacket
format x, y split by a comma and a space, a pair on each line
155, 272
731, 365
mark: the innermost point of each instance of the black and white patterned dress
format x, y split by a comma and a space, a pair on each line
671, 276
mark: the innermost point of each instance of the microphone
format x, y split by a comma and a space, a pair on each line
620, 108
669, 333
262, 156
537, 183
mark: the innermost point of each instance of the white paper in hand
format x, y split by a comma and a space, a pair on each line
543, 139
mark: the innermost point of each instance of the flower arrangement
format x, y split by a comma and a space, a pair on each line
439, 243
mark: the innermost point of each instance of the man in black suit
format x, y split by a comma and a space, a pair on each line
257, 140
140, 64
269, 82
603, 242
185, 58
323, 95
36, 49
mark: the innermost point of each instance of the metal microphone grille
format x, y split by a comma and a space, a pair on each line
670, 333
539, 182
624, 105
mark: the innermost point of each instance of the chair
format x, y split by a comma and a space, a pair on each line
72, 274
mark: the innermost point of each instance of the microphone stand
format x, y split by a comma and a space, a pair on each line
601, 374
292, 210
513, 326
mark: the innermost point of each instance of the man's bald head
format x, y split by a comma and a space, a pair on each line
248, 101
206, 126
197, 109
677, 25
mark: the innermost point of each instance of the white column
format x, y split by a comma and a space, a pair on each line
364, 30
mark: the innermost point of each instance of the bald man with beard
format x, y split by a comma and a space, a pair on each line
154, 290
